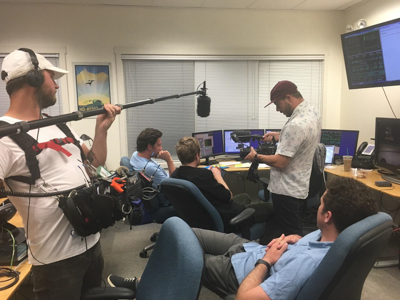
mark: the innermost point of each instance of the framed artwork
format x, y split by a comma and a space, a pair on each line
92, 86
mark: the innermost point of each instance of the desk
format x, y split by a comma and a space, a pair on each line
24, 268
372, 176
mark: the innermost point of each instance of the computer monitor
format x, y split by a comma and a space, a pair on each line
387, 148
330, 151
345, 141
233, 148
272, 130
211, 144
371, 55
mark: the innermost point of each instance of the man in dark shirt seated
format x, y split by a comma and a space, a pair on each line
212, 185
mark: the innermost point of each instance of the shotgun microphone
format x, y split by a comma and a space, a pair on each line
203, 103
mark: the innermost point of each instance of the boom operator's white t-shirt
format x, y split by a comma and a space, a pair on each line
48, 232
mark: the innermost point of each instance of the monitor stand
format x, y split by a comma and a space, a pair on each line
209, 162
391, 178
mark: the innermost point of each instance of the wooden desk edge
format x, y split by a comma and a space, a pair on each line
372, 176
24, 268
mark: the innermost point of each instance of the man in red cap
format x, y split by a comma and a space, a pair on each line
291, 164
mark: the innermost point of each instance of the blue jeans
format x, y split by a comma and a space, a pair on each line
68, 278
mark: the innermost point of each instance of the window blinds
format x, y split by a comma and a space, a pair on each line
239, 89
154, 79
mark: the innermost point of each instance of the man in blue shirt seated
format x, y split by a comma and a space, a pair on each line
234, 265
149, 145
279, 270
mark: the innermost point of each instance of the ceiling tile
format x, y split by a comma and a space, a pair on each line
178, 3
274, 4
227, 3
324, 4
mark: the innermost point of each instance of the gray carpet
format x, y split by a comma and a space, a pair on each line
121, 248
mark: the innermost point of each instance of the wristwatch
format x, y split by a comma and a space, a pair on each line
255, 157
263, 262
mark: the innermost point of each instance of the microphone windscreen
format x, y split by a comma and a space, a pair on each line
203, 106
122, 171
242, 136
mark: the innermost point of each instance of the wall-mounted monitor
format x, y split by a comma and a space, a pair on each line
387, 148
371, 55
211, 144
232, 147
344, 141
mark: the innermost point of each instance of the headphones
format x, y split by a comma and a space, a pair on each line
34, 77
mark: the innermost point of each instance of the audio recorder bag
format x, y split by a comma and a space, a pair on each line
88, 210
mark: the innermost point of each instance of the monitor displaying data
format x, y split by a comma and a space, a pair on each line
387, 148
344, 141
231, 147
211, 143
371, 55
330, 153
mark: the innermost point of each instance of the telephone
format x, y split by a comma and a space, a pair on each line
365, 149
364, 158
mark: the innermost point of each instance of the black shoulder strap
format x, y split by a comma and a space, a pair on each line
26, 143
64, 128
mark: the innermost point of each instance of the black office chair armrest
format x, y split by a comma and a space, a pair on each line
245, 215
264, 180
108, 293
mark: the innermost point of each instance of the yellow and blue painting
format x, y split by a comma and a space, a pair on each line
92, 86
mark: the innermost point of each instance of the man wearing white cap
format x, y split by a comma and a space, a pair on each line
63, 264
291, 165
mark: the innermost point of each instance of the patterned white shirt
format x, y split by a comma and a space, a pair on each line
298, 140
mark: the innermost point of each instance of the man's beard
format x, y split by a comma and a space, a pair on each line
44, 99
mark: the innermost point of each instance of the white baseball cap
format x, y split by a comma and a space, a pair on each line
18, 63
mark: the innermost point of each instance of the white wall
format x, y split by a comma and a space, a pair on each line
360, 107
90, 34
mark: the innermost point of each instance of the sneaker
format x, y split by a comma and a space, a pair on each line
117, 281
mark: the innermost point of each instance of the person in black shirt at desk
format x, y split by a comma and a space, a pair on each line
212, 185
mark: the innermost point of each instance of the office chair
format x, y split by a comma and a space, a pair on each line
173, 271
315, 190
175, 267
126, 162
342, 272
157, 212
197, 211
316, 178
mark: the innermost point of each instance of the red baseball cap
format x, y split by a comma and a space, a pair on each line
281, 89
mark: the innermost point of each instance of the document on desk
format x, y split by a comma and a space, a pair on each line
247, 165
244, 165
263, 166
228, 163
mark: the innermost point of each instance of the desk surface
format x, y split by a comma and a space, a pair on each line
237, 166
372, 176
24, 268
